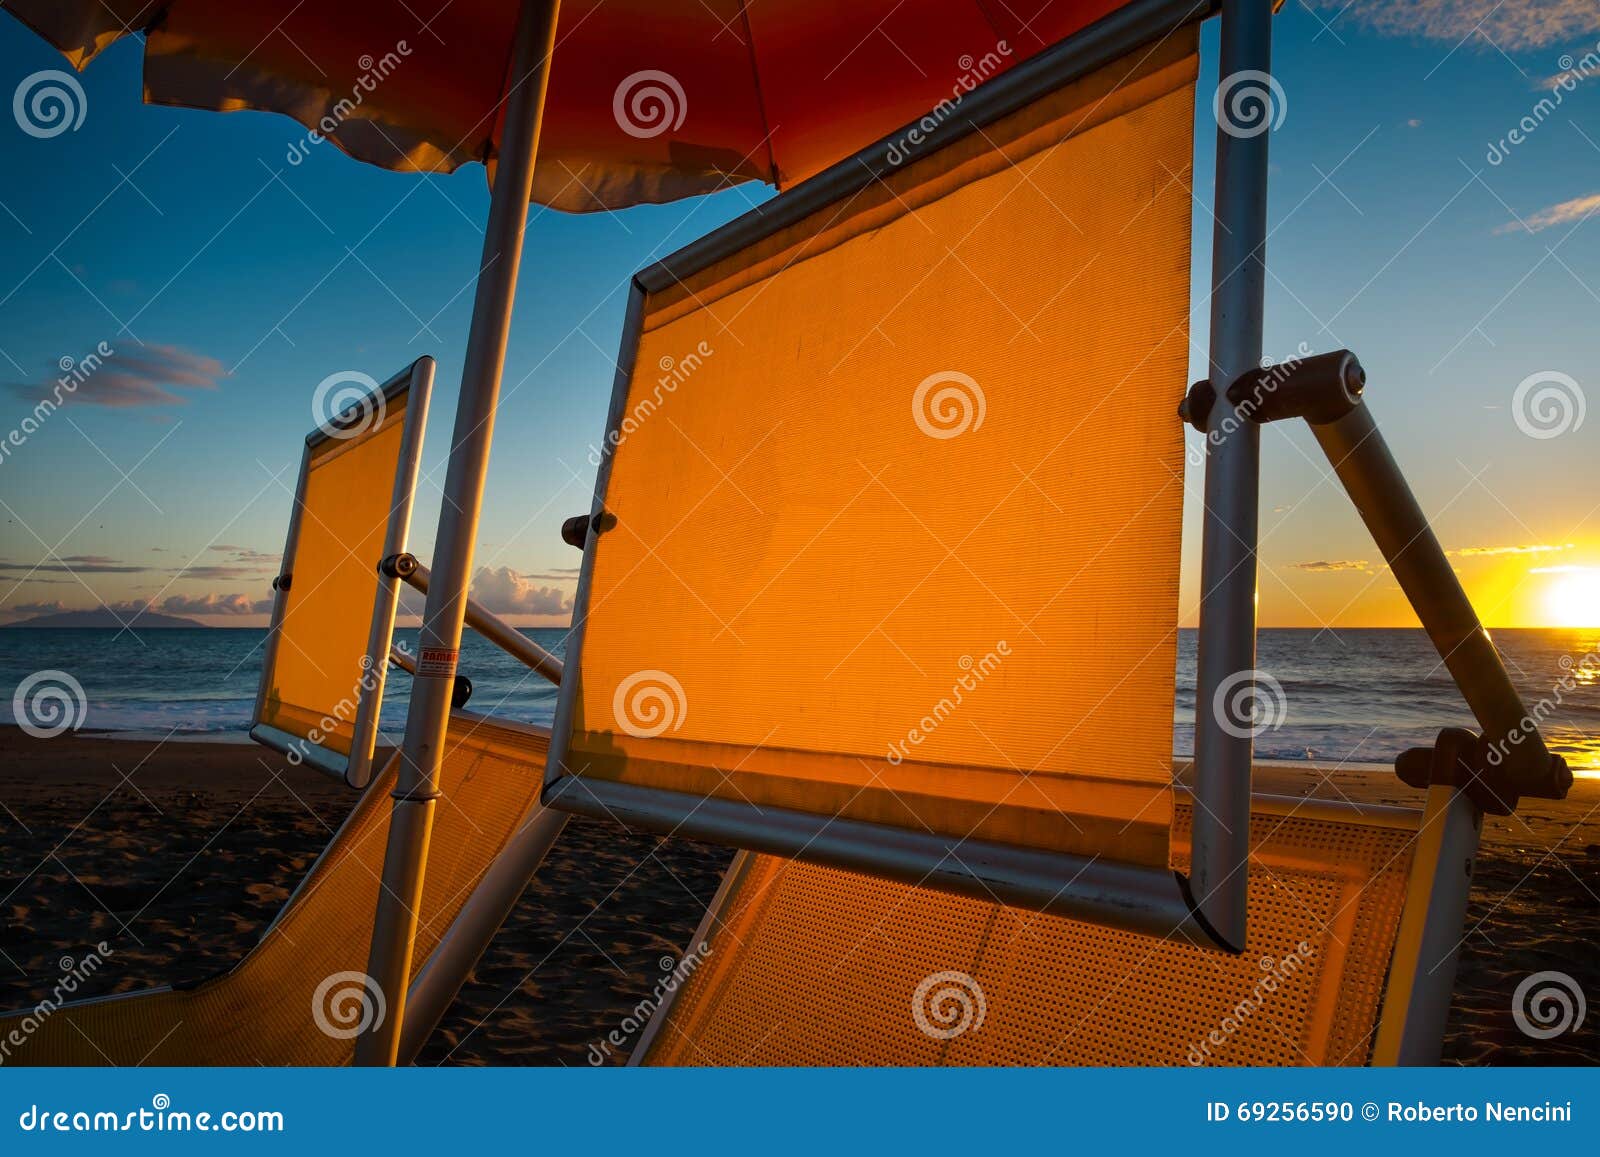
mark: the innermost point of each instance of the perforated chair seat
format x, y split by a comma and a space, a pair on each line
808, 965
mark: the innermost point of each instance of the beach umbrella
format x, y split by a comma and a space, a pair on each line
622, 101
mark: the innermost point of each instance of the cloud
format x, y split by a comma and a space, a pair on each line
225, 573
215, 604
1329, 566
1507, 24
1492, 551
506, 592
74, 564
1562, 214
140, 376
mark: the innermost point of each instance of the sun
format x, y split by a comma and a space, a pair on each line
1573, 599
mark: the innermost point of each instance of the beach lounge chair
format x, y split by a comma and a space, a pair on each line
880, 585
301, 996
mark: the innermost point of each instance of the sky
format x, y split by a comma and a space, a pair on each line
1411, 219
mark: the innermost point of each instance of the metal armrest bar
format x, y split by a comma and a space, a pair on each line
1327, 391
488, 624
1361, 459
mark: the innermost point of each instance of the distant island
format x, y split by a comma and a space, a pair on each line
144, 620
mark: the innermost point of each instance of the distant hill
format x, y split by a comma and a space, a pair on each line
144, 621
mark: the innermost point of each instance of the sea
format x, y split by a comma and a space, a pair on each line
1333, 697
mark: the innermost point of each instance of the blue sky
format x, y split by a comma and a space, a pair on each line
240, 282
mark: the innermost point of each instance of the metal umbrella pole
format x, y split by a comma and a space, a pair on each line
427, 720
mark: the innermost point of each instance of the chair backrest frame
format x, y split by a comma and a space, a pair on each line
1155, 901
414, 385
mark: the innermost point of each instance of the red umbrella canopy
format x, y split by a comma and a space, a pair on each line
649, 100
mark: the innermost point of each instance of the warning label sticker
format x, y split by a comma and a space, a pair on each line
438, 661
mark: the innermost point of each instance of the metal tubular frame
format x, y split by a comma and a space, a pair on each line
428, 716
1150, 900
1227, 635
1360, 457
1422, 970
488, 624
415, 382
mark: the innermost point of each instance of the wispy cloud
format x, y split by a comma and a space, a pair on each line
1507, 24
1490, 551
1329, 566
141, 376
1563, 214
73, 564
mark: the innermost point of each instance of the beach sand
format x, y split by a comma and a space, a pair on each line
180, 854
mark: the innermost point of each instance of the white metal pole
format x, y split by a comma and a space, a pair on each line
427, 721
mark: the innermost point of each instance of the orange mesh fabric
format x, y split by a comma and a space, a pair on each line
294, 998
906, 976
318, 667
898, 495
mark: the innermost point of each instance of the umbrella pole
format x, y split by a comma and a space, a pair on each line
427, 720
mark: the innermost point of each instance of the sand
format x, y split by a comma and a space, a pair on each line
180, 854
